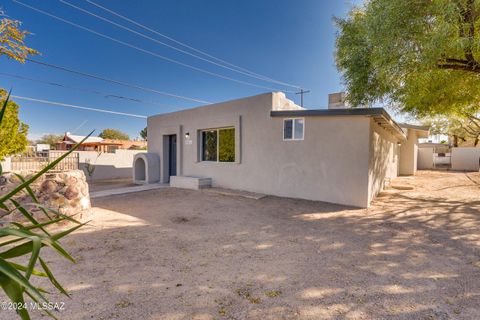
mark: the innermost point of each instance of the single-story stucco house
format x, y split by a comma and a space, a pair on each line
268, 144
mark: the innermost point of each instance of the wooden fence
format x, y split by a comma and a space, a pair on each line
36, 163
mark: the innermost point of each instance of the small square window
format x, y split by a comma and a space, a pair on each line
293, 129
298, 129
288, 129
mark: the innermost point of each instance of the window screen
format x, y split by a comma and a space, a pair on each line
209, 145
226, 145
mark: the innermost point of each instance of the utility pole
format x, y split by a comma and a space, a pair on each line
301, 93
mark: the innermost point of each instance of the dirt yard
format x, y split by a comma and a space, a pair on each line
178, 254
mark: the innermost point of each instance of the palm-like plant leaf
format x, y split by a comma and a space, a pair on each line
21, 239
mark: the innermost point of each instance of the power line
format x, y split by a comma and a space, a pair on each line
79, 126
79, 107
103, 94
181, 43
125, 84
235, 69
143, 50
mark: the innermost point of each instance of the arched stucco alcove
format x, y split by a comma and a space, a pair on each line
146, 168
140, 169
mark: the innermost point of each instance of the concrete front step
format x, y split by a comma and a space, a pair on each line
124, 190
186, 182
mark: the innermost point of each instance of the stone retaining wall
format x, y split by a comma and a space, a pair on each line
66, 192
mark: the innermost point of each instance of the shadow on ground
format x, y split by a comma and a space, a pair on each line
177, 254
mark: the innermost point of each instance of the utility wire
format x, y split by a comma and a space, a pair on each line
103, 94
247, 73
143, 50
79, 107
187, 46
125, 84
78, 127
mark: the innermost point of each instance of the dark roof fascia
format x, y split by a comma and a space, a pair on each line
330, 112
414, 127
366, 112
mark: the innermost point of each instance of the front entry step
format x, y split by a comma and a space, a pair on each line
186, 182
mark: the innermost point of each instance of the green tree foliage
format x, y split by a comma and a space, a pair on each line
113, 134
462, 130
13, 132
421, 56
21, 243
12, 39
50, 139
143, 133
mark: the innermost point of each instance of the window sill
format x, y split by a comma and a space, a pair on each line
216, 162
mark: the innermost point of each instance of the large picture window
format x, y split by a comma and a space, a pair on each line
293, 129
218, 145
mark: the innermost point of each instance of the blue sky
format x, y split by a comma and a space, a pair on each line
291, 41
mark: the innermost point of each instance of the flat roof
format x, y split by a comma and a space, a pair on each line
380, 115
414, 127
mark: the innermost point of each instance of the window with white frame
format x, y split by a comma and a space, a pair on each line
218, 145
293, 129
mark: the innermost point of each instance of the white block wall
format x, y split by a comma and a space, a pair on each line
425, 158
465, 159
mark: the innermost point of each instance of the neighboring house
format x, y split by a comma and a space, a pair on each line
42, 147
98, 144
128, 144
267, 144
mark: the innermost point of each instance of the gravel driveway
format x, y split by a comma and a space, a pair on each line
179, 254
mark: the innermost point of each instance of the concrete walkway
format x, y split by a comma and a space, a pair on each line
111, 192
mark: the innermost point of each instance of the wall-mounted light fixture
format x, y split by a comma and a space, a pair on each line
187, 135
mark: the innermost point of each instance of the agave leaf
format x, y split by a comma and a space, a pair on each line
27, 215
35, 272
32, 195
2, 113
36, 246
51, 315
15, 292
20, 233
52, 278
4, 107
44, 224
26, 247
41, 172
56, 212
10, 272
54, 245
17, 251
62, 234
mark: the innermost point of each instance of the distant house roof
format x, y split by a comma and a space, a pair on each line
381, 117
432, 145
77, 139
127, 144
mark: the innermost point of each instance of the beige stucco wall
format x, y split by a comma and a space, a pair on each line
331, 163
383, 160
408, 154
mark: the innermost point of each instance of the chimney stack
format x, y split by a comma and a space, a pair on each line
337, 101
